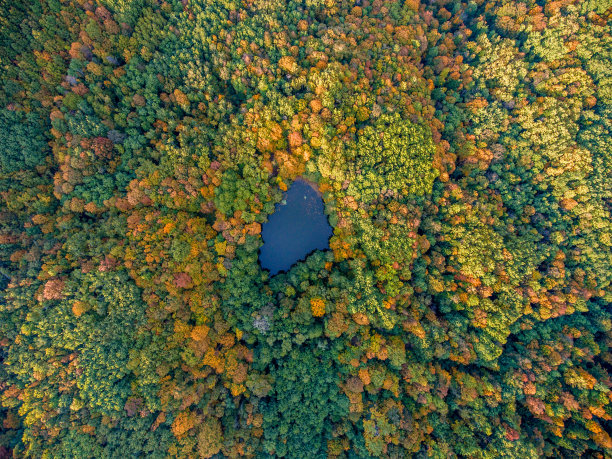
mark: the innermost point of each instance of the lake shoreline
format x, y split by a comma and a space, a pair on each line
298, 227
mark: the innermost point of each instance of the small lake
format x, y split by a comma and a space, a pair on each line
297, 227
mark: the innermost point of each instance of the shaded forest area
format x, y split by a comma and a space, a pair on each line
464, 153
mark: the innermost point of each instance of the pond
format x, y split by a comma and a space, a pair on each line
297, 227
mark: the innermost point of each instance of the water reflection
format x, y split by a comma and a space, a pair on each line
297, 227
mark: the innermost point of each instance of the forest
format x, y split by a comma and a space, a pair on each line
463, 152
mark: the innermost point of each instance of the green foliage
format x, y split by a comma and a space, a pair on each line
393, 155
22, 139
463, 153
299, 413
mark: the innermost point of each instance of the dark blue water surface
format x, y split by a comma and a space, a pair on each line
297, 227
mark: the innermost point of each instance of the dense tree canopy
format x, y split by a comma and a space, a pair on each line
463, 152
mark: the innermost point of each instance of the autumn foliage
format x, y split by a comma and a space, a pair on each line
463, 153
